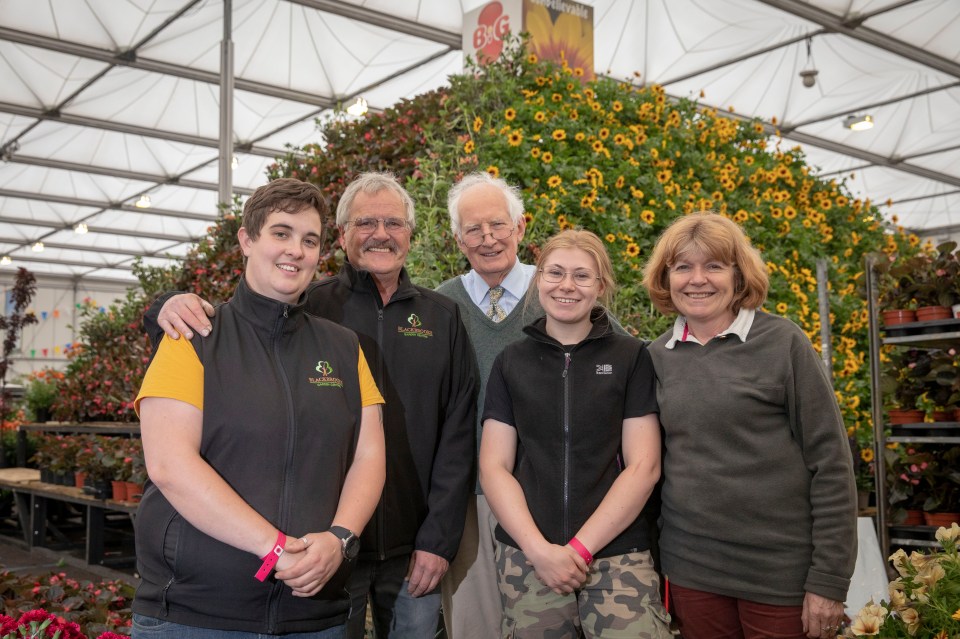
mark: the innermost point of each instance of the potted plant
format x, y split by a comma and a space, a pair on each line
138, 469
942, 504
40, 392
903, 381
907, 470
923, 599
935, 285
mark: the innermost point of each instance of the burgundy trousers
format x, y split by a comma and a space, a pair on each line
704, 615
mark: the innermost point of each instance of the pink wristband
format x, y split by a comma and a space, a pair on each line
272, 557
581, 549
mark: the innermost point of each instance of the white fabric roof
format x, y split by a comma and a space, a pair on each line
104, 100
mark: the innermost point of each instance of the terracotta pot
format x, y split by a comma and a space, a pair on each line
941, 519
930, 313
905, 416
134, 491
119, 490
79, 478
913, 518
896, 317
943, 415
956, 415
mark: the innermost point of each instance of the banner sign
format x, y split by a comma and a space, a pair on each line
560, 30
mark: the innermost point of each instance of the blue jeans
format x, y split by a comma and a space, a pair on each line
396, 615
153, 628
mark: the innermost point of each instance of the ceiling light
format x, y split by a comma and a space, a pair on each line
809, 77
358, 108
858, 122
5, 260
143, 202
37, 247
809, 73
80, 228
234, 163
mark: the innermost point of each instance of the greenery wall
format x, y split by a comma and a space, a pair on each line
619, 160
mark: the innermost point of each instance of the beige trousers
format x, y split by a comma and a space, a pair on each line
471, 596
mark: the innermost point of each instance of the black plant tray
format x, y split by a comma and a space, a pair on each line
932, 327
926, 429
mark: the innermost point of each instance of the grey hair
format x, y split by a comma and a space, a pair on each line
510, 193
372, 183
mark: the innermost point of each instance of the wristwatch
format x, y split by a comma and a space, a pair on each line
349, 542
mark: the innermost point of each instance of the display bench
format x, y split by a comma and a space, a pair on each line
95, 428
46, 512
937, 334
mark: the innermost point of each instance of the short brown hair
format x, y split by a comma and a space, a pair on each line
283, 194
718, 238
585, 241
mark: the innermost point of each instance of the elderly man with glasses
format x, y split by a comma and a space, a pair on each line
487, 218
422, 360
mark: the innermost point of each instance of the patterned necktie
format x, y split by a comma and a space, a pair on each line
496, 312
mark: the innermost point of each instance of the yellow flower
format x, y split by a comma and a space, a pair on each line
620, 182
949, 534
547, 157
559, 134
493, 170
956, 615
604, 133
633, 250
477, 124
515, 139
579, 137
617, 105
535, 152
647, 216
532, 58
540, 116
613, 238
577, 71
468, 147
556, 97
664, 176
782, 308
748, 160
554, 181
868, 620
573, 115
597, 146
866, 454
510, 114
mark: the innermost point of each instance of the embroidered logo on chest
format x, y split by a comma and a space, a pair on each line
414, 330
604, 369
326, 376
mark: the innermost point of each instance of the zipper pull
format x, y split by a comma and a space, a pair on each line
566, 364
380, 314
286, 310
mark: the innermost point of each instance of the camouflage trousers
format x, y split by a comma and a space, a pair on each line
620, 600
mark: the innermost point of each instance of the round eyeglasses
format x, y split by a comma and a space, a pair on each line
582, 277
368, 225
473, 236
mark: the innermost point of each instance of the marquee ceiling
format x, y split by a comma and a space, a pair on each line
102, 101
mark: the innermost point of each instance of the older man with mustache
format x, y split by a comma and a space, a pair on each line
423, 363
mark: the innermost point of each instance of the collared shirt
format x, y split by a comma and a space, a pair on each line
515, 286
740, 327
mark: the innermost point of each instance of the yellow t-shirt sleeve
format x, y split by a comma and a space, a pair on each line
174, 373
369, 393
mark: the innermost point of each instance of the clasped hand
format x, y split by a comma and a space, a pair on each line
560, 568
309, 562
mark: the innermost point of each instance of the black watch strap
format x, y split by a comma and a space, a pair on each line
349, 542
